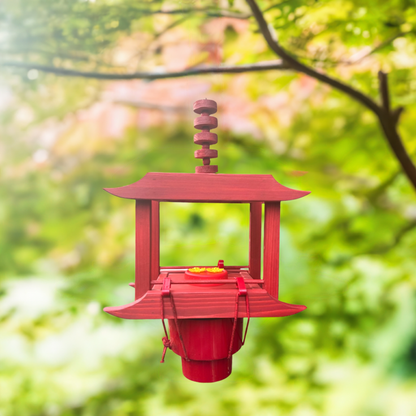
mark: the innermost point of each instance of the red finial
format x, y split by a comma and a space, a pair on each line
205, 123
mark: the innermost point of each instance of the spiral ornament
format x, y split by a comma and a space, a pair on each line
205, 138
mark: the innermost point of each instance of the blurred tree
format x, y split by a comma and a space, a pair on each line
67, 34
66, 247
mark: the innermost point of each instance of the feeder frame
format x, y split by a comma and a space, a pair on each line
208, 302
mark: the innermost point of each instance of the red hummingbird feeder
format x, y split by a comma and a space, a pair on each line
206, 305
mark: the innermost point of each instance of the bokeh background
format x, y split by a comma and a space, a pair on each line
67, 247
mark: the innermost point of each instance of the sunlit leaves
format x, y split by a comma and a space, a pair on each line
67, 247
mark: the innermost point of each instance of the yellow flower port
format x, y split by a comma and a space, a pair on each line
205, 269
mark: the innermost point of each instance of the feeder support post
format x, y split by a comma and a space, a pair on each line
254, 256
155, 246
271, 248
143, 246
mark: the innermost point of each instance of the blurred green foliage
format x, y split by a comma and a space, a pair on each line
67, 247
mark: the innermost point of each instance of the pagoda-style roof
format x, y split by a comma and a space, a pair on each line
190, 187
196, 302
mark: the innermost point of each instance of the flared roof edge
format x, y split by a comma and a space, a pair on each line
189, 187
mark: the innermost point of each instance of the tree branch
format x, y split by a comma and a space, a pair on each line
200, 70
387, 118
385, 99
298, 66
151, 106
384, 91
385, 248
207, 11
375, 49
356, 57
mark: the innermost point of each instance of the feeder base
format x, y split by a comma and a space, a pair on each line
207, 371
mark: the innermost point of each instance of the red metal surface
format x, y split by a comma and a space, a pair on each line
183, 268
188, 187
166, 287
207, 342
271, 248
205, 123
143, 247
203, 281
254, 251
195, 302
241, 286
201, 278
205, 311
205, 345
206, 275
155, 245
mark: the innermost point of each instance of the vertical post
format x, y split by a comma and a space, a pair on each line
143, 246
254, 256
271, 248
155, 250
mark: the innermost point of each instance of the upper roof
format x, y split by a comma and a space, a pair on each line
190, 187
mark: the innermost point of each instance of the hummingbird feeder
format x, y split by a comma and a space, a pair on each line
205, 305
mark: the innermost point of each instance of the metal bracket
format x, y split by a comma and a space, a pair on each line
242, 289
166, 287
